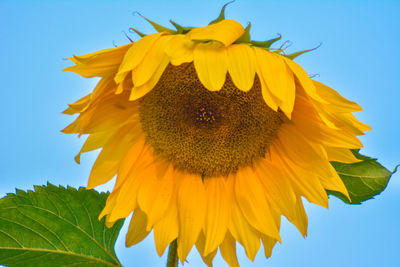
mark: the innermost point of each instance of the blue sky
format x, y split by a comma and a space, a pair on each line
359, 57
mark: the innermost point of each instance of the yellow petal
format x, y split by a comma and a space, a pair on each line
135, 55
335, 99
244, 233
334, 183
155, 192
138, 92
110, 204
207, 257
281, 195
105, 84
307, 120
326, 116
79, 106
250, 198
219, 200
129, 184
103, 89
191, 212
112, 55
304, 80
228, 250
180, 49
100, 63
108, 113
307, 155
241, 66
304, 182
278, 77
268, 97
226, 31
110, 157
166, 230
297, 147
356, 123
151, 62
277, 187
126, 83
136, 155
300, 219
337, 138
108, 223
309, 158
348, 121
93, 142
126, 200
341, 155
269, 242
137, 228
338, 116
210, 61
84, 123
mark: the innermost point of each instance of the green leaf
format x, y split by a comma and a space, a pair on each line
56, 226
363, 180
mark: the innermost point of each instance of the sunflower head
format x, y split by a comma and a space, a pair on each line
212, 137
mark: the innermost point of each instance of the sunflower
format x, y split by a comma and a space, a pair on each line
212, 137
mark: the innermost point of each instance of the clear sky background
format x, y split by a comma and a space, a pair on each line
359, 57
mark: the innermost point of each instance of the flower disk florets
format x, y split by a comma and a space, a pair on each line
203, 132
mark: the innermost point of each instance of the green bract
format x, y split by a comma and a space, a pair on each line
245, 38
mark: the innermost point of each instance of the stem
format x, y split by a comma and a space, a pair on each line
173, 254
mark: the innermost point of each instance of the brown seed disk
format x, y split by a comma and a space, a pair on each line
203, 132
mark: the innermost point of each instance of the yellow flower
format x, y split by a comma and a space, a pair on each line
212, 138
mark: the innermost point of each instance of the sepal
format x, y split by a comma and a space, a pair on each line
266, 44
137, 32
180, 29
221, 14
296, 54
245, 38
158, 27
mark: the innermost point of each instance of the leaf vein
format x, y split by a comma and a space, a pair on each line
359, 176
77, 227
69, 208
48, 229
11, 237
91, 258
32, 230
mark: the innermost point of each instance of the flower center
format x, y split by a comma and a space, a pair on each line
203, 132
204, 116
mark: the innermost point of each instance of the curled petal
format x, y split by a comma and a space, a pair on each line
226, 31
